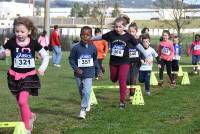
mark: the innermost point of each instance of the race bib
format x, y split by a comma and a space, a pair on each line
166, 51
24, 63
117, 52
133, 53
197, 47
85, 62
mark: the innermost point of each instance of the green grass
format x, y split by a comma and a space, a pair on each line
166, 111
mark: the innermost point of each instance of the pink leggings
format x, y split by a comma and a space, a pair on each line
120, 72
26, 114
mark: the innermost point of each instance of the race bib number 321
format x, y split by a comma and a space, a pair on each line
24, 63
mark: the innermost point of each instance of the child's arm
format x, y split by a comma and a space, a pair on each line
96, 64
45, 61
105, 48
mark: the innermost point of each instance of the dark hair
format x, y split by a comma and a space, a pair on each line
144, 30
86, 28
97, 30
124, 18
145, 36
27, 23
134, 25
166, 31
44, 33
55, 26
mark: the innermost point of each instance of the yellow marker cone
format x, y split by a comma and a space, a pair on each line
93, 98
19, 127
185, 80
153, 80
138, 98
180, 71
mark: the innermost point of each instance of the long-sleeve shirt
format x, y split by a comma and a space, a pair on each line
151, 53
44, 41
119, 46
166, 50
195, 48
55, 38
84, 57
102, 48
177, 51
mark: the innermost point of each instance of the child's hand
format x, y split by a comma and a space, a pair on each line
142, 61
159, 66
79, 71
7, 52
100, 75
40, 72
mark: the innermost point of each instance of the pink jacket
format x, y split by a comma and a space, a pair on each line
166, 50
43, 40
195, 48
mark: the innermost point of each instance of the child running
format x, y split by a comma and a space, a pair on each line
22, 75
120, 42
146, 68
177, 57
83, 60
134, 56
102, 49
195, 50
166, 54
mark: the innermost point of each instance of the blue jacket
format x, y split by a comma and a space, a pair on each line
84, 56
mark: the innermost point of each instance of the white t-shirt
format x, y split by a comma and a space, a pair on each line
150, 54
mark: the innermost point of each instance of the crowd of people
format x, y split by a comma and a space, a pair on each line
131, 59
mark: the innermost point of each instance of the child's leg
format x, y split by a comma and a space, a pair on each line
79, 85
123, 71
162, 63
194, 62
147, 81
87, 86
169, 70
26, 114
141, 76
114, 70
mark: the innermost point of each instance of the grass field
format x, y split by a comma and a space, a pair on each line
166, 111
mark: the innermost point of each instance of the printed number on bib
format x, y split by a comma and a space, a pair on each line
117, 52
24, 63
85, 62
165, 51
133, 54
197, 47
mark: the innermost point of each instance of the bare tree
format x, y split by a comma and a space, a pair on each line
176, 10
99, 11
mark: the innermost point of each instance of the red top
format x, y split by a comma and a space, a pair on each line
55, 38
195, 48
166, 50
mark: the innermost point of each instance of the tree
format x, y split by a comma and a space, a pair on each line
76, 10
86, 10
99, 11
176, 10
116, 10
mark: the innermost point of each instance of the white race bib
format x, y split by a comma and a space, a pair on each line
24, 63
133, 53
85, 62
117, 52
166, 51
197, 47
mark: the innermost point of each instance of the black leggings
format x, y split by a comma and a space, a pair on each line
168, 67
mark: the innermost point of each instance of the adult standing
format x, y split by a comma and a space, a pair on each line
56, 46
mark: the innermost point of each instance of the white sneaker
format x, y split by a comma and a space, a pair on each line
31, 121
88, 108
28, 131
82, 114
147, 93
